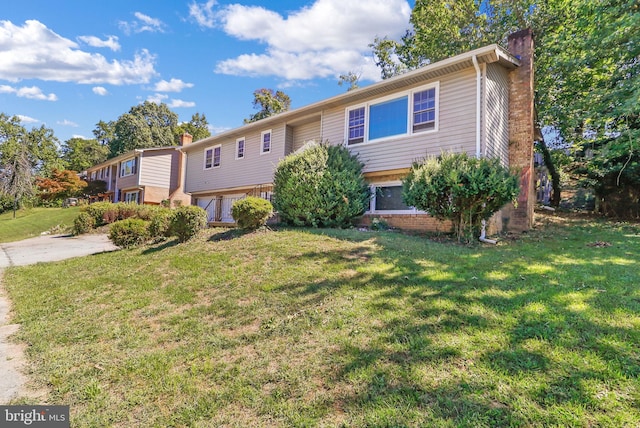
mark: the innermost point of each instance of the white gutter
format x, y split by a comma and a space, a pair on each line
474, 59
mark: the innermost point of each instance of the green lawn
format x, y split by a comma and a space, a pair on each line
32, 222
342, 328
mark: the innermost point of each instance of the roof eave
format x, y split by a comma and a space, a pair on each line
487, 54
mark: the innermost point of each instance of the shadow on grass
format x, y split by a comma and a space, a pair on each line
161, 246
525, 292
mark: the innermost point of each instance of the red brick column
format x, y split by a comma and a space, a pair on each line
521, 130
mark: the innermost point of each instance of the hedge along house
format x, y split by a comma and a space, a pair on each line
143, 176
479, 102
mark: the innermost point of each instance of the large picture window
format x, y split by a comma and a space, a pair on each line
388, 118
407, 113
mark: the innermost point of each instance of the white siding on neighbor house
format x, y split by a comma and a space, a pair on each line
155, 169
254, 169
306, 132
496, 114
456, 128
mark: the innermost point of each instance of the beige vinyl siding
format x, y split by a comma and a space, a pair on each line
304, 133
155, 169
254, 169
129, 181
456, 128
496, 107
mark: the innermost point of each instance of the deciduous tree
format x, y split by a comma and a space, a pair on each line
268, 102
145, 125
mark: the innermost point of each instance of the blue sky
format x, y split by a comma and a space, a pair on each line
68, 64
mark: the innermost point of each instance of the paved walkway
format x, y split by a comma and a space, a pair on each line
30, 251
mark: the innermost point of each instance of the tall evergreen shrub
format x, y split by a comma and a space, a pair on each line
322, 186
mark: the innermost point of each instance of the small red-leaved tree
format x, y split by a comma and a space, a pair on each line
61, 184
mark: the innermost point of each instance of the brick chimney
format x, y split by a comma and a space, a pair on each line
185, 139
521, 130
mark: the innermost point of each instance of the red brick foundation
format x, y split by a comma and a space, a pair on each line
421, 222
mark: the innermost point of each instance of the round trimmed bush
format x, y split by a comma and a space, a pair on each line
160, 223
98, 210
187, 221
129, 233
251, 212
84, 223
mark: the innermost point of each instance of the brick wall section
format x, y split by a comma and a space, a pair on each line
521, 131
422, 222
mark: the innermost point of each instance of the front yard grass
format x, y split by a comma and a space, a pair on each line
31, 222
342, 328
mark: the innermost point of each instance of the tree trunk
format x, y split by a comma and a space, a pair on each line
553, 172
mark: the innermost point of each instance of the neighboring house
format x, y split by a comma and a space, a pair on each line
479, 102
143, 176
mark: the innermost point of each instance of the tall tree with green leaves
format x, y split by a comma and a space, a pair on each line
198, 127
586, 67
80, 153
268, 102
104, 132
145, 125
588, 88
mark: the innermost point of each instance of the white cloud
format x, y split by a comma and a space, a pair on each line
33, 51
99, 90
157, 98
142, 24
218, 129
176, 103
96, 42
27, 119
30, 92
67, 123
328, 38
203, 13
174, 85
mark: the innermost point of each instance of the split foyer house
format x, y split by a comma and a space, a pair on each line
479, 102
143, 176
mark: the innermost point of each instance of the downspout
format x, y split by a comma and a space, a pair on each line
478, 102
483, 232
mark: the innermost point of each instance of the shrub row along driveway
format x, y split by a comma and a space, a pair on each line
29, 251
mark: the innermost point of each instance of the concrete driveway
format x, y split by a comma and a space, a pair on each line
50, 248
46, 248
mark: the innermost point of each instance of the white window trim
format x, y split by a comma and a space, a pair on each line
244, 149
122, 167
134, 192
204, 160
262, 134
410, 132
213, 156
372, 202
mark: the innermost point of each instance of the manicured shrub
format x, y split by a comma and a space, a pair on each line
129, 233
461, 189
160, 223
97, 210
322, 186
251, 212
84, 223
187, 221
128, 210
